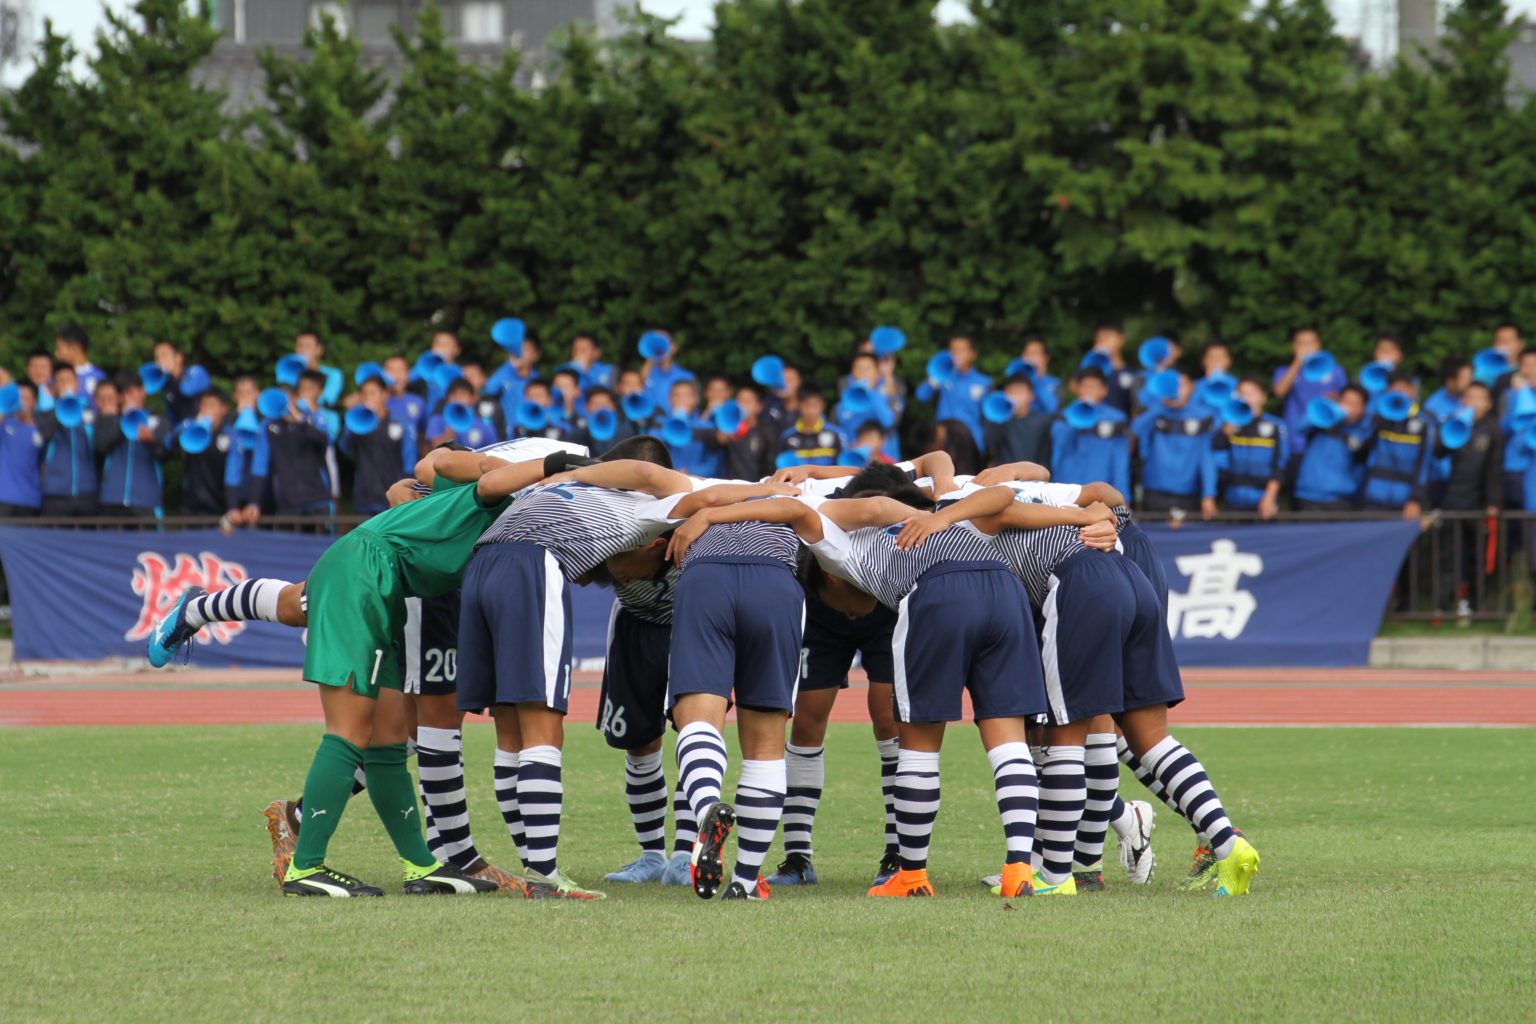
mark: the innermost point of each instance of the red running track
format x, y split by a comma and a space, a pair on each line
1215, 697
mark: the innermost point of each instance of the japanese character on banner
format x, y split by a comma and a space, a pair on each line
160, 583
1213, 606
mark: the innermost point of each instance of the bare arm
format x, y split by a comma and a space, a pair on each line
797, 515
1102, 493
507, 479
1030, 471
1021, 515
630, 475
856, 513
800, 474
459, 467
729, 494
979, 505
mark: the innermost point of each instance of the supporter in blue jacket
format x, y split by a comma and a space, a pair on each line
586, 360
1037, 354
1455, 376
1175, 447
132, 481
406, 402
1292, 386
1101, 451
21, 456
204, 487
1397, 461
478, 434
960, 397
1329, 471
295, 456
849, 416
244, 489
661, 374
511, 379
1249, 460
701, 454
811, 439
382, 455
310, 345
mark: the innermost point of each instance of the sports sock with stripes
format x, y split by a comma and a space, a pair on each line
889, 750
1122, 819
393, 793
327, 788
917, 805
759, 805
1101, 772
1190, 792
685, 828
248, 599
806, 771
1062, 795
440, 763
645, 787
540, 795
701, 759
1018, 793
506, 799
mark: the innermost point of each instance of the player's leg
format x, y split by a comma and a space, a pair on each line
876, 655
1101, 772
509, 744
266, 599
759, 800
645, 791
916, 793
1017, 789
631, 719
805, 777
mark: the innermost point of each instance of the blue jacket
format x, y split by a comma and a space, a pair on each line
1047, 393
69, 456
1440, 407
601, 375
848, 421
1331, 468
1102, 452
815, 444
21, 463
1247, 460
504, 384
658, 386
1397, 464
295, 456
959, 399
1303, 391
481, 433
1175, 451
131, 476
409, 408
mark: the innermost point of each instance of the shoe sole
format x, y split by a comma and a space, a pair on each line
422, 888
1146, 822
283, 839
714, 830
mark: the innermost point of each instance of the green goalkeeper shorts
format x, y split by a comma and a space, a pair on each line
356, 607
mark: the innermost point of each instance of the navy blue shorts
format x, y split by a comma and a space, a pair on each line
1105, 640
832, 639
634, 697
736, 626
1138, 548
966, 626
429, 645
514, 629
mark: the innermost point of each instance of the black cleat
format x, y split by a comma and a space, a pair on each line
1089, 881
737, 891
322, 881
889, 865
714, 829
446, 880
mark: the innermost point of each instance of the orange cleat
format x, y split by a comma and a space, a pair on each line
505, 880
905, 883
1018, 880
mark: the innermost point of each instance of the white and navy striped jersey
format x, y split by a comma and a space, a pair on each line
649, 600
582, 525
870, 560
726, 541
1033, 555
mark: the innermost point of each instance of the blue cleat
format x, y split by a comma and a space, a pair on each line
891, 863
648, 868
172, 632
678, 870
796, 870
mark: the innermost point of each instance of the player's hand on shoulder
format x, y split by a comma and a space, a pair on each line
919, 528
1099, 535
791, 475
1099, 512
683, 537
402, 491
783, 490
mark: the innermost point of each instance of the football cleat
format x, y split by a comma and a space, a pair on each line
714, 829
889, 865
283, 827
1136, 849
172, 632
559, 886
1235, 871
796, 870
513, 884
1066, 887
1089, 881
737, 891
443, 880
905, 883
648, 868
679, 870
992, 881
322, 881
1201, 872
1016, 880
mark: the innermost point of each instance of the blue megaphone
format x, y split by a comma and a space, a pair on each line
272, 403
290, 368
1164, 385
247, 426
858, 398
858, 458
445, 375
1457, 431
1394, 406
1324, 413
10, 400
509, 332
603, 424
461, 418
195, 437
1318, 367
153, 378
785, 460
1023, 366
69, 410
941, 367
997, 408
362, 420
531, 416
1214, 389
1154, 352
676, 430
372, 371
654, 345
1237, 412
426, 365
194, 382
1522, 410
1375, 377
133, 421
769, 372
1098, 359
1081, 415
637, 406
728, 417
1489, 365
887, 341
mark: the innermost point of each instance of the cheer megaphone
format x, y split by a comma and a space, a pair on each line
133, 421
1457, 431
194, 382
858, 458
372, 371
247, 426
1154, 352
362, 420
676, 430
509, 332
291, 368
1081, 415
153, 378
728, 417
460, 418
1237, 412
531, 416
445, 375
1214, 389
769, 372
637, 405
887, 341
858, 398
654, 345
195, 437
1023, 366
10, 400
1375, 377
69, 410
1098, 360
941, 367
272, 403
1324, 413
603, 424
1318, 367
426, 365
1489, 365
997, 408
1164, 385
1394, 406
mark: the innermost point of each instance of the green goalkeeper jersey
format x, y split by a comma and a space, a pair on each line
432, 537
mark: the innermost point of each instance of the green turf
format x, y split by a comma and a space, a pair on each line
1397, 884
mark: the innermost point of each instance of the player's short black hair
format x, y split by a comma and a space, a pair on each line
313, 377
1401, 376
1019, 378
641, 448
809, 391
126, 380
868, 425
1357, 389
1109, 325
881, 479
1451, 366
74, 333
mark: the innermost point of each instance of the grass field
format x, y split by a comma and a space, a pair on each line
1397, 884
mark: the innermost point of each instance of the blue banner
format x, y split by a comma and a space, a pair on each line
1262, 594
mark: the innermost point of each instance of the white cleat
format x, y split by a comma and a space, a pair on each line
992, 881
1136, 848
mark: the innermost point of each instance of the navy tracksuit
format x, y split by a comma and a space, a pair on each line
132, 481
383, 456
1102, 452
1397, 463
70, 477
1330, 470
293, 456
1176, 457
1247, 460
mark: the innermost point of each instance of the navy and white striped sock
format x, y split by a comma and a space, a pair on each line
889, 750
540, 793
506, 798
1144, 777
1018, 797
1190, 792
645, 787
759, 805
701, 759
248, 599
1101, 772
1062, 795
685, 828
916, 795
805, 768
440, 765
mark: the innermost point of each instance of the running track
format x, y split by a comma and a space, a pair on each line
1215, 697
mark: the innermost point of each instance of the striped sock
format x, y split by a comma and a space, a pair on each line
1101, 771
759, 805
1018, 797
440, 765
1122, 819
1062, 794
1190, 792
1145, 777
806, 770
685, 828
916, 794
701, 759
506, 798
540, 793
248, 599
645, 787
889, 750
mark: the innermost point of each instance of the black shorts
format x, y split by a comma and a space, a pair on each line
634, 697
429, 645
832, 639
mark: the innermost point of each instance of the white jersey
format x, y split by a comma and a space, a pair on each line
582, 525
870, 560
531, 449
1037, 492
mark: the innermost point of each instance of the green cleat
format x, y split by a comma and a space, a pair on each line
1235, 871
1201, 872
558, 886
322, 881
1066, 887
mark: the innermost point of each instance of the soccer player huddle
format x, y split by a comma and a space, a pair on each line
1041, 600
